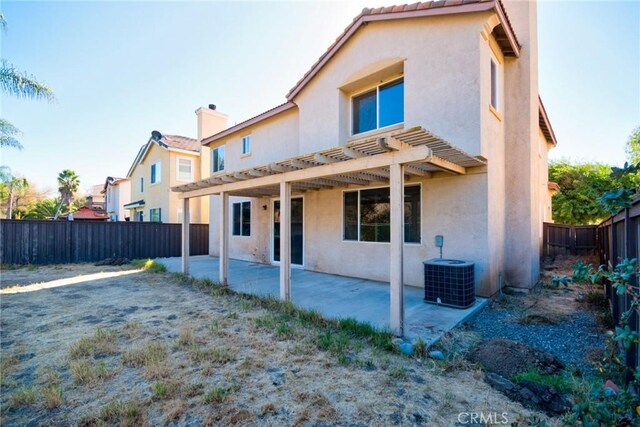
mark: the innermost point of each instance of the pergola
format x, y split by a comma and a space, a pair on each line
391, 159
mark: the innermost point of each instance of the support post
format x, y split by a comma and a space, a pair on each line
285, 241
396, 280
224, 238
185, 236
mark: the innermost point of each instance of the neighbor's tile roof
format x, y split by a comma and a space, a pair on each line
180, 142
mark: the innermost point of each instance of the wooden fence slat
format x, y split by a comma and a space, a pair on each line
63, 242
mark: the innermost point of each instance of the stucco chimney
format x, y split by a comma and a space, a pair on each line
210, 122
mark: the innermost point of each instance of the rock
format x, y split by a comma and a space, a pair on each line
610, 384
435, 354
609, 392
397, 342
172, 317
277, 378
406, 348
507, 358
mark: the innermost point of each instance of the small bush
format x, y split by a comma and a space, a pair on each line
131, 413
193, 389
559, 382
219, 394
165, 390
26, 396
186, 337
149, 265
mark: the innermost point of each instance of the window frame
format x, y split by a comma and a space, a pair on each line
245, 139
153, 172
369, 88
142, 184
342, 224
494, 84
151, 214
213, 156
190, 160
242, 222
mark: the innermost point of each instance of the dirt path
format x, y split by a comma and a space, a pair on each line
166, 353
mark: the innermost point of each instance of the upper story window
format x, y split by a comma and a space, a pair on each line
246, 144
141, 184
378, 107
217, 159
156, 172
185, 169
495, 85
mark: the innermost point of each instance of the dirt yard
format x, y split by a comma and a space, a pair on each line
120, 346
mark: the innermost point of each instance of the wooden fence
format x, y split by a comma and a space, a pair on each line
618, 239
63, 242
560, 239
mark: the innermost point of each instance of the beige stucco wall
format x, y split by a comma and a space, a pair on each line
159, 195
492, 216
437, 54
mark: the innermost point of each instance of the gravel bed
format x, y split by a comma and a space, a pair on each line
569, 340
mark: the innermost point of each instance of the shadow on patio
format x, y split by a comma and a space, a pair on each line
336, 296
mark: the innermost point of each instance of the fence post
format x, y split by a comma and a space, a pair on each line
630, 252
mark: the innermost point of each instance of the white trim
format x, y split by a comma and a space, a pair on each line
346, 190
180, 150
158, 177
368, 89
213, 172
272, 232
248, 139
178, 158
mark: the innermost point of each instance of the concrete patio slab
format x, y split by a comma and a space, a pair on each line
336, 296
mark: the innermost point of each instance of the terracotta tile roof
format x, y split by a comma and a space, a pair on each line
243, 125
180, 142
85, 213
430, 8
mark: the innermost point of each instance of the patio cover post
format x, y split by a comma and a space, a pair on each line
224, 238
285, 241
185, 236
396, 182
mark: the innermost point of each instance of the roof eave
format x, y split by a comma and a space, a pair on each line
363, 19
247, 123
545, 123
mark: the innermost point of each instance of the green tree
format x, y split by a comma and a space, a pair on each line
11, 188
633, 146
44, 209
580, 187
68, 183
21, 85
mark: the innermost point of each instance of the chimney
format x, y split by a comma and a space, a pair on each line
210, 121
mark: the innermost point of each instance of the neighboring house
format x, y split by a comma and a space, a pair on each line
87, 213
358, 132
116, 192
95, 198
164, 161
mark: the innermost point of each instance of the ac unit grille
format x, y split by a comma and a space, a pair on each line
449, 282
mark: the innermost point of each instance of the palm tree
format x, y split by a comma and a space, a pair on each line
11, 187
68, 183
21, 85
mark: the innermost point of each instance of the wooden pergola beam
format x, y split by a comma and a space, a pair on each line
414, 155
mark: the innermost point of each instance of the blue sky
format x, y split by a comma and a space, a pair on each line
123, 69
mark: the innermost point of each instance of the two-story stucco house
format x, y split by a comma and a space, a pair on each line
421, 120
163, 162
116, 192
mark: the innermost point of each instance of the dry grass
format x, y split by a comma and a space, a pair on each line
152, 353
25, 396
174, 410
53, 396
231, 360
7, 365
103, 342
88, 372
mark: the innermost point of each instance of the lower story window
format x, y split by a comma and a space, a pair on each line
367, 215
242, 219
155, 215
